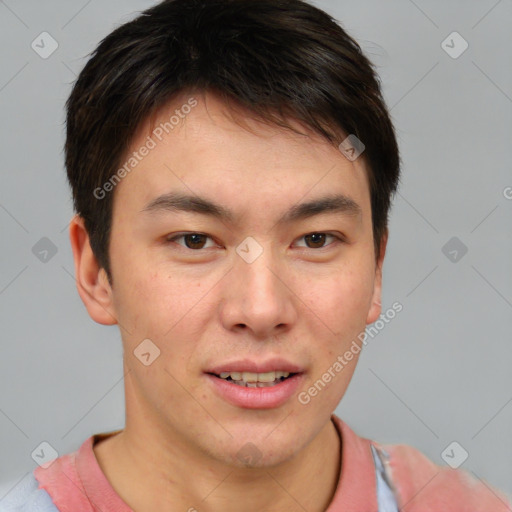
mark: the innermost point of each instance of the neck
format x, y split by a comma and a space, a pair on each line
178, 478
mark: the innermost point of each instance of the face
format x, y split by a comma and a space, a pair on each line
242, 253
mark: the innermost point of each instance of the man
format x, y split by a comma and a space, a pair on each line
232, 165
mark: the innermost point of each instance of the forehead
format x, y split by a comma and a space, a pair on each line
200, 145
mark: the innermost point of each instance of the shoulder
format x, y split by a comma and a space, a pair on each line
26, 496
422, 485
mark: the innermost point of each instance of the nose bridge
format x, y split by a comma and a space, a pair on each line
259, 279
256, 297
253, 269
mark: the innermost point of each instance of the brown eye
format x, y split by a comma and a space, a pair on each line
194, 241
318, 240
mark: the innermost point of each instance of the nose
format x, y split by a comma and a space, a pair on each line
258, 297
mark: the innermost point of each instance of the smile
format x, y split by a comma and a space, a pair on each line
249, 390
255, 380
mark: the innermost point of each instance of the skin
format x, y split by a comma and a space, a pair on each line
299, 300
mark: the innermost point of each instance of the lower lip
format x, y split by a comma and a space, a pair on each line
256, 398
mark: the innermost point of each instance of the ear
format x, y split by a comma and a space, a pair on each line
91, 280
376, 308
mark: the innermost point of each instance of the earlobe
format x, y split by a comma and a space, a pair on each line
91, 280
376, 307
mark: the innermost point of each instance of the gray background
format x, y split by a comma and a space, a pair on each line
438, 373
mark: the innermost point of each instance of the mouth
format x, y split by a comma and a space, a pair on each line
256, 385
255, 380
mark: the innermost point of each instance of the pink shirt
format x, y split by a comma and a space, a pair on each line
75, 481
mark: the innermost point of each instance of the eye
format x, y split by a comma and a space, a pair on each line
198, 241
318, 240
194, 241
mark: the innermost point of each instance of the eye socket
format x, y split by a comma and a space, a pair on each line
319, 237
196, 241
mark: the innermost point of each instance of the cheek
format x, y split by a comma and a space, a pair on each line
140, 300
166, 308
340, 300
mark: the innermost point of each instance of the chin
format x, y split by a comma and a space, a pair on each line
266, 452
254, 452
250, 458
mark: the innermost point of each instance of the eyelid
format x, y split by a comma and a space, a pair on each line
339, 237
174, 236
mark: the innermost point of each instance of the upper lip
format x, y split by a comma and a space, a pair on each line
252, 366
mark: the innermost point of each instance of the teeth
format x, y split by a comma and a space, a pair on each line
266, 377
250, 378
255, 384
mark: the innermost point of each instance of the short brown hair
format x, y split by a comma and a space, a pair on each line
276, 58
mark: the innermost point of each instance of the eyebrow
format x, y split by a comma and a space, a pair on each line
177, 202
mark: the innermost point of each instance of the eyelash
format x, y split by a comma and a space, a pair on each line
173, 239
